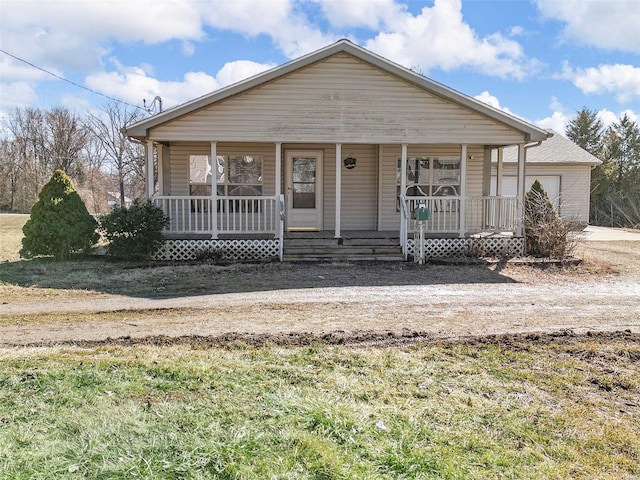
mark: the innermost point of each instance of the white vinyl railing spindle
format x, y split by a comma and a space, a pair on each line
189, 214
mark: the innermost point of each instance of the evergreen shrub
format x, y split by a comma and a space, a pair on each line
135, 232
60, 223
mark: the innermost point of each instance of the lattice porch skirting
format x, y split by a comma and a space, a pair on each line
503, 247
227, 249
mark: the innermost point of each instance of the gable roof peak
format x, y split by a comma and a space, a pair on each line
533, 133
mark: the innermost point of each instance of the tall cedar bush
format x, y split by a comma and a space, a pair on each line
547, 235
134, 233
60, 223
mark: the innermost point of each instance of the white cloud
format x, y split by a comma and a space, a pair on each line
289, 30
559, 119
133, 84
604, 24
516, 31
233, 72
370, 14
493, 101
439, 37
621, 80
557, 122
607, 117
188, 48
556, 105
16, 94
76, 33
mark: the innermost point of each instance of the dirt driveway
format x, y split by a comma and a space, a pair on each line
353, 301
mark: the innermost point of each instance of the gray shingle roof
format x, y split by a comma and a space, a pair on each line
556, 149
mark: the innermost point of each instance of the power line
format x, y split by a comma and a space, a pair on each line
69, 81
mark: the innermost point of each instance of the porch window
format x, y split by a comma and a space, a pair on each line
199, 175
239, 175
430, 177
236, 175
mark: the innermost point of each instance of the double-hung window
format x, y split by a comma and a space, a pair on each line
236, 175
430, 177
239, 175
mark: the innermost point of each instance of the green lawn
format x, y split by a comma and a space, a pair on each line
11, 236
510, 409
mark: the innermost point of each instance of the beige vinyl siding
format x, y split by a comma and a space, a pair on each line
339, 99
179, 162
359, 200
575, 181
389, 218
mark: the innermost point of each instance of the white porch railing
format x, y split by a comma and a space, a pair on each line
232, 215
492, 214
483, 214
445, 213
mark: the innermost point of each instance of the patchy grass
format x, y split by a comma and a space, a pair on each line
11, 236
548, 410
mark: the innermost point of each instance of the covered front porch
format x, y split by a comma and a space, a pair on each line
325, 197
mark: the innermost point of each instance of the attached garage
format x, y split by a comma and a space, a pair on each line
563, 168
551, 184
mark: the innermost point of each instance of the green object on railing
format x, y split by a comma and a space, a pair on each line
422, 213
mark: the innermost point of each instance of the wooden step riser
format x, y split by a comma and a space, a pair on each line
343, 258
353, 250
293, 242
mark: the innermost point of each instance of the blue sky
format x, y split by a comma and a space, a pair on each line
540, 59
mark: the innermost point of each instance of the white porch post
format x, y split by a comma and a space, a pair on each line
161, 169
499, 172
463, 189
338, 187
278, 190
522, 158
214, 190
403, 190
278, 179
150, 184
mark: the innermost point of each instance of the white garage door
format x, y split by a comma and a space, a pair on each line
551, 184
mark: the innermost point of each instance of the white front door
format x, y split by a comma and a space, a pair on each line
304, 189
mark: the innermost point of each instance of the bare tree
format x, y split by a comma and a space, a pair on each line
66, 138
29, 147
9, 177
123, 155
41, 142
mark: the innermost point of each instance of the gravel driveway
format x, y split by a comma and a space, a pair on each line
452, 301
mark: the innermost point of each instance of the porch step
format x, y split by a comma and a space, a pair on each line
344, 249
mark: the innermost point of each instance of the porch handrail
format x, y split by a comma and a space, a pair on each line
445, 213
493, 213
482, 214
403, 205
255, 214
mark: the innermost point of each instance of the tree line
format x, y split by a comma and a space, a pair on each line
91, 149
615, 184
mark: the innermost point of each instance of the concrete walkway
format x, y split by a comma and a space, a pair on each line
606, 234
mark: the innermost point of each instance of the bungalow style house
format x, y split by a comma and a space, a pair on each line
332, 154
